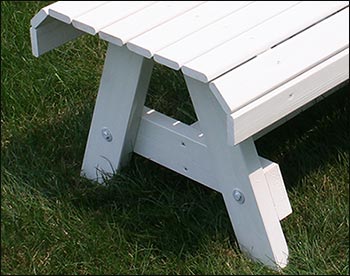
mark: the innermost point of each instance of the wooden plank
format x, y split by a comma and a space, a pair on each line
259, 39
40, 16
117, 112
51, 34
289, 97
183, 149
179, 27
277, 189
184, 50
66, 11
238, 168
102, 16
294, 113
144, 20
176, 146
282, 63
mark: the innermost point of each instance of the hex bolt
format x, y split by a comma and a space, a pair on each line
106, 133
238, 196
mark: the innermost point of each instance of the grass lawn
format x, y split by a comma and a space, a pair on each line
147, 219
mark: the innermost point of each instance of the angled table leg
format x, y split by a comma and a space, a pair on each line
117, 112
242, 182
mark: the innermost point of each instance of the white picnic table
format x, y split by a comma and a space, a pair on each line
249, 66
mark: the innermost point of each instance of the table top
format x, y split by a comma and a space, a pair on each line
204, 39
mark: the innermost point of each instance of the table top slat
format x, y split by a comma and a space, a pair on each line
66, 11
194, 45
40, 16
259, 39
144, 20
273, 68
179, 27
102, 16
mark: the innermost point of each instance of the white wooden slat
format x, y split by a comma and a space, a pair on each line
176, 146
289, 97
66, 11
240, 49
271, 69
294, 113
175, 55
183, 25
122, 31
40, 16
102, 16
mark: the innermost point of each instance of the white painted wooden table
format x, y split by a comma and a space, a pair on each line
249, 66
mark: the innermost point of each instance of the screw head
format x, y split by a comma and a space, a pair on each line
238, 196
106, 134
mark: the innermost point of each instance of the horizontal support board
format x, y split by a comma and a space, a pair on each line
289, 97
176, 146
182, 149
297, 111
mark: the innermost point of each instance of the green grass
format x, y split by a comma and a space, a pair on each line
147, 219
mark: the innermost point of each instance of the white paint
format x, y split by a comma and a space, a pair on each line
118, 108
66, 11
182, 148
102, 16
175, 55
277, 189
176, 146
273, 68
181, 26
146, 19
289, 97
291, 115
40, 16
50, 34
218, 151
256, 223
234, 52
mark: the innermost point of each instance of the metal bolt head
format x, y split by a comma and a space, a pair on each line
238, 196
106, 133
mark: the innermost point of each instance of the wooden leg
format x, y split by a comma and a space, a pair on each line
242, 182
117, 112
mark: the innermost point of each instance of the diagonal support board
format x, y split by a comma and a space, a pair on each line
238, 168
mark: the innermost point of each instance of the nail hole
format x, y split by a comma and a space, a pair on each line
183, 144
185, 169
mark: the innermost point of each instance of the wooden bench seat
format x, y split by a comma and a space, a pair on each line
248, 65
